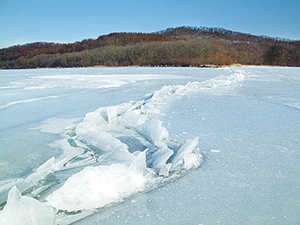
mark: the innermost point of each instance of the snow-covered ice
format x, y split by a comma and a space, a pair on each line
107, 145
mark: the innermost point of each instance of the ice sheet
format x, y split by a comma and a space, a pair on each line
131, 147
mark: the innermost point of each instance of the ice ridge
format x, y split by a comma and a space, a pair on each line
112, 154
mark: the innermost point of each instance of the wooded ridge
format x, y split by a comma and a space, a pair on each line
181, 46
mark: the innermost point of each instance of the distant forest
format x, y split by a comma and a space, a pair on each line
181, 46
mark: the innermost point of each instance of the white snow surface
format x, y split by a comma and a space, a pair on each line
78, 142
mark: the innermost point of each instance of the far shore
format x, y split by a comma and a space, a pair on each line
161, 66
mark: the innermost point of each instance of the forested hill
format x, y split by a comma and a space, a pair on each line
181, 46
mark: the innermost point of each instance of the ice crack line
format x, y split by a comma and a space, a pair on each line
8, 105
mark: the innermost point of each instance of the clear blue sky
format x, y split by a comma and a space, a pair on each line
65, 21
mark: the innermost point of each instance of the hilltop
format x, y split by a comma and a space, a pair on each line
181, 46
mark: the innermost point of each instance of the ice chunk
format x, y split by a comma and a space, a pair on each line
192, 160
188, 156
108, 148
9, 183
130, 118
95, 119
99, 139
83, 128
215, 150
154, 132
149, 108
223, 81
158, 160
112, 113
95, 187
117, 156
140, 161
45, 169
158, 135
295, 105
163, 93
25, 210
163, 169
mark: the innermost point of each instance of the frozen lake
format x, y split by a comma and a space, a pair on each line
150, 146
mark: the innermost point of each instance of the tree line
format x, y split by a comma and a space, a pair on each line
183, 46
